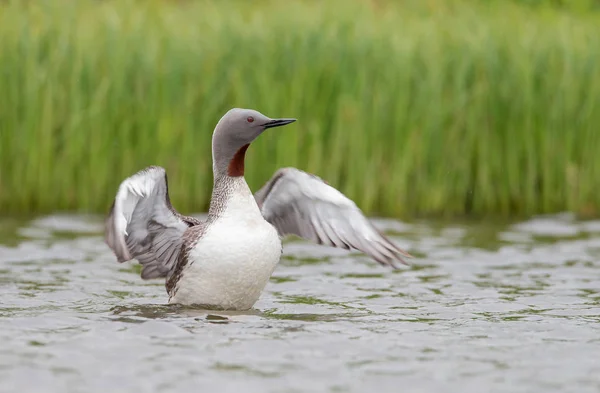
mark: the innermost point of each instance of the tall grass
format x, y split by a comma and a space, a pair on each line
410, 108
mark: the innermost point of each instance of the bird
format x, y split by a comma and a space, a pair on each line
225, 261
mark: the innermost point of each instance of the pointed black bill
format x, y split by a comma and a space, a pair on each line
278, 123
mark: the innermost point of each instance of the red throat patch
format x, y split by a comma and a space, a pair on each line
236, 165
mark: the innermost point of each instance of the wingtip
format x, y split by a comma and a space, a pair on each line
118, 248
395, 247
397, 255
404, 253
115, 242
402, 261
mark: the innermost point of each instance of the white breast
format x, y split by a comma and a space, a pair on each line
232, 262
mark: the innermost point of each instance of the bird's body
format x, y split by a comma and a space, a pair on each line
226, 261
232, 261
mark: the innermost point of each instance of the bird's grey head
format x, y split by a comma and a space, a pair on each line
232, 136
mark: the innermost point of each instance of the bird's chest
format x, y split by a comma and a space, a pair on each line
231, 264
242, 246
240, 239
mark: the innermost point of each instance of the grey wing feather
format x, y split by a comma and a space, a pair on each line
143, 225
301, 204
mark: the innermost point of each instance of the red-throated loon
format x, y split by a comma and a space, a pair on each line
226, 261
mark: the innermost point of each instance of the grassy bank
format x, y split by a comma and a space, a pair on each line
443, 108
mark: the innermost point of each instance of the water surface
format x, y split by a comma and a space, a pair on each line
512, 307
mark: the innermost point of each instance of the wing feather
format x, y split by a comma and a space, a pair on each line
299, 203
143, 225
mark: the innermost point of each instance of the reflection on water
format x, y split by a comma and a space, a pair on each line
511, 307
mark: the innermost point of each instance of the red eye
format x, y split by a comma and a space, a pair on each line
250, 119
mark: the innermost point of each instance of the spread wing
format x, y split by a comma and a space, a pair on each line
302, 204
143, 225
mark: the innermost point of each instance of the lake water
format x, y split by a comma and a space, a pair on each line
505, 307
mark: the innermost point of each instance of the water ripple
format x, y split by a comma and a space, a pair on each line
486, 307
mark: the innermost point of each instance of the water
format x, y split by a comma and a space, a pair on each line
484, 308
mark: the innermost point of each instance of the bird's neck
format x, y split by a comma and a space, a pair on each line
231, 196
229, 185
236, 163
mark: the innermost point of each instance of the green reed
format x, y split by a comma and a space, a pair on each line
419, 108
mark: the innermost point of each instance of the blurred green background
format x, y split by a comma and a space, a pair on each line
411, 108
